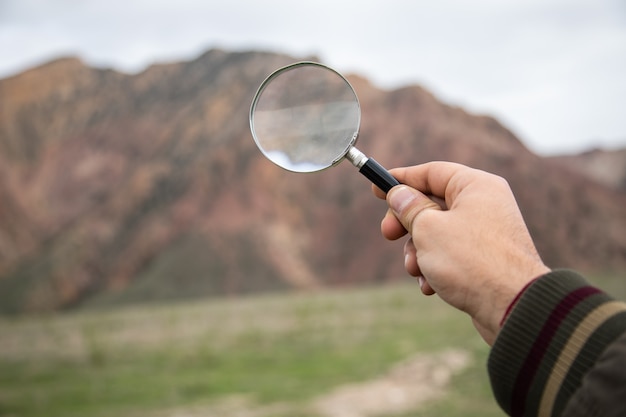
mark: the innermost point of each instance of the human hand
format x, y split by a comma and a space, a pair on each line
469, 243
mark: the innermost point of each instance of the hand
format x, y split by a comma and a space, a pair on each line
469, 243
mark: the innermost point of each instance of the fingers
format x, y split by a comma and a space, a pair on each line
441, 180
378, 192
407, 204
412, 267
425, 286
434, 178
410, 259
391, 228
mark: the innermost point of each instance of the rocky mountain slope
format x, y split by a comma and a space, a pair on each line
605, 167
118, 188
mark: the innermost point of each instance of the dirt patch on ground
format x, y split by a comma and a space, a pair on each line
410, 383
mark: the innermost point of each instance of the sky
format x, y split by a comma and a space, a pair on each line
552, 71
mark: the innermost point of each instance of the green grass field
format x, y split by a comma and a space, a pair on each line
260, 356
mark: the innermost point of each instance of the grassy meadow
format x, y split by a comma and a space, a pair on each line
260, 356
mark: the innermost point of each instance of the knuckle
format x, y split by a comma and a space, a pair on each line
420, 215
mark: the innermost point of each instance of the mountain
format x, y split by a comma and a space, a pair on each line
603, 166
116, 188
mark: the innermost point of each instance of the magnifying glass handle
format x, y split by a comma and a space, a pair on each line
376, 173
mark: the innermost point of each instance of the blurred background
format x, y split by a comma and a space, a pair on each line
152, 262
552, 71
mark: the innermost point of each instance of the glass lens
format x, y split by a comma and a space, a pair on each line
305, 117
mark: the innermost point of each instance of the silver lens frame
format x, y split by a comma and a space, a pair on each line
291, 67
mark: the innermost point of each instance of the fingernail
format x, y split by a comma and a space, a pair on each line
400, 197
406, 261
420, 281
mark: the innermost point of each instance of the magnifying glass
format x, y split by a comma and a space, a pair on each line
305, 117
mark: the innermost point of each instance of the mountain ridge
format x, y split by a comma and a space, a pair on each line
149, 186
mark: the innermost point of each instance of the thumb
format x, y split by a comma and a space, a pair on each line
407, 204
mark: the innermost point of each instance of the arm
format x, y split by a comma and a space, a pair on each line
561, 351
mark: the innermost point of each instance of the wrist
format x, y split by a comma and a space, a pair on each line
504, 298
515, 300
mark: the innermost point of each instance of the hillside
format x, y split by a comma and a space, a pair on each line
118, 188
605, 167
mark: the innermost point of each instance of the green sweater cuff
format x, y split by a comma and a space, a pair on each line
552, 337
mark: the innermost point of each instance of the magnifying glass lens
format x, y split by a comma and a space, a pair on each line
305, 117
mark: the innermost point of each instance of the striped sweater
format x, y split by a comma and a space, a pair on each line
561, 351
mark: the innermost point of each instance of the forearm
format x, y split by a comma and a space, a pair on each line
553, 337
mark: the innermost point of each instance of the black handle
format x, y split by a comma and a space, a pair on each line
376, 173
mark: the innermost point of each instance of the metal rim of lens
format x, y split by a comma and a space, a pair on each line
290, 67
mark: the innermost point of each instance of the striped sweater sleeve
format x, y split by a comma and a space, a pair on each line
554, 336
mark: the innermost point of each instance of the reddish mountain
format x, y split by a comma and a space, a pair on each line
606, 167
118, 188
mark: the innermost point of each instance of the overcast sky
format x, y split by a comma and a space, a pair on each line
554, 71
